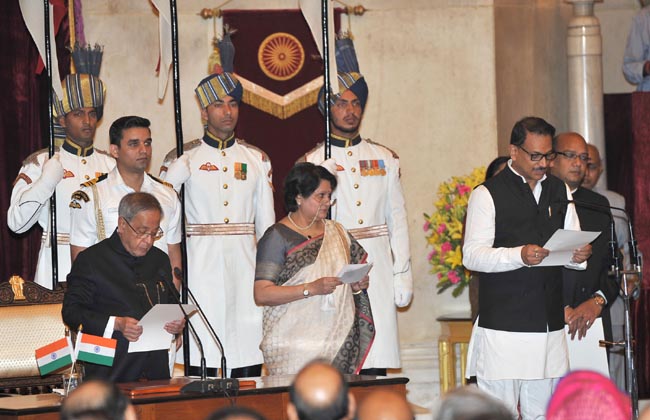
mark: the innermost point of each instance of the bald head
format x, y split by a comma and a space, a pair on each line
319, 392
97, 400
470, 403
385, 405
594, 167
571, 163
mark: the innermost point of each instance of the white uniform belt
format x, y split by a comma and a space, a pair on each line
369, 232
61, 239
220, 229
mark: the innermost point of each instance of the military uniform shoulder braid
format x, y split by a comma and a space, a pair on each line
33, 158
265, 157
395, 156
303, 158
186, 146
95, 180
103, 152
160, 181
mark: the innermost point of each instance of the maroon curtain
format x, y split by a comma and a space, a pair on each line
23, 111
627, 133
283, 140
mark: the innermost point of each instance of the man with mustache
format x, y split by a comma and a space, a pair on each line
74, 162
518, 350
370, 205
228, 204
94, 208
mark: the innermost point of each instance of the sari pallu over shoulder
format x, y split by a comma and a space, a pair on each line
337, 327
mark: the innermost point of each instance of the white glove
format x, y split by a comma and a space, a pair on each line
403, 290
51, 175
178, 172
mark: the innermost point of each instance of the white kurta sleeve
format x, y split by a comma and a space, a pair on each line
478, 251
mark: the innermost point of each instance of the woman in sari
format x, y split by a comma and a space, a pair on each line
308, 312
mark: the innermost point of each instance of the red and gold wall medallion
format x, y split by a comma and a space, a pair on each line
281, 56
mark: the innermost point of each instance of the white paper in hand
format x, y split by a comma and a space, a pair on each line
562, 244
154, 336
353, 273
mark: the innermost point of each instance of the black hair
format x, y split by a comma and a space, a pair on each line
494, 166
527, 125
303, 179
124, 123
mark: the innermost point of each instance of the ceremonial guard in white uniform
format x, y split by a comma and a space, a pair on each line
95, 206
370, 204
228, 205
75, 162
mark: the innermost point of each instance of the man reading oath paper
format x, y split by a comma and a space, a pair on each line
518, 348
115, 282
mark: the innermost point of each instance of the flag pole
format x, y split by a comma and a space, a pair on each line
48, 67
326, 74
179, 151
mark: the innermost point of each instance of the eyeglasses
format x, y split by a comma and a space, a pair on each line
536, 157
142, 235
572, 155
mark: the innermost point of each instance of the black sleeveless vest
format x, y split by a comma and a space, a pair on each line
530, 298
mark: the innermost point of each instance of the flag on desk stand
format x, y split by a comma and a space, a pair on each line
95, 349
54, 356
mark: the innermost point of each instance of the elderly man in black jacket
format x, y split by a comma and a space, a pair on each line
114, 283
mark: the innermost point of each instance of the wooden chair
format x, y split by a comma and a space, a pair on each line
30, 317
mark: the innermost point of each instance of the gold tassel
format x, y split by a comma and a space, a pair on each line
214, 60
277, 110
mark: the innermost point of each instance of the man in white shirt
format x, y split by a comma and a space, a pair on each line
518, 350
94, 214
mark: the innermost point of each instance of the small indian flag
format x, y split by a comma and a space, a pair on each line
54, 356
94, 349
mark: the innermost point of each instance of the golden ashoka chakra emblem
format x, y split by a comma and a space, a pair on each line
281, 56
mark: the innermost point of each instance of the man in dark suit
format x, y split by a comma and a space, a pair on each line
113, 283
588, 293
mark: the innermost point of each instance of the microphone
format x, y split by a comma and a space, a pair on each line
203, 385
225, 383
637, 262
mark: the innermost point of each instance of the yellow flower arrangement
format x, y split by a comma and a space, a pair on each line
444, 231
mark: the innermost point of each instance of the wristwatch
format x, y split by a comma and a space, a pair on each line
305, 291
600, 301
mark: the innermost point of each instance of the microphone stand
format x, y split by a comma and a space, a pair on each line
637, 269
620, 276
204, 385
225, 384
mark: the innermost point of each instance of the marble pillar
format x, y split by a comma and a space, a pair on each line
585, 78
